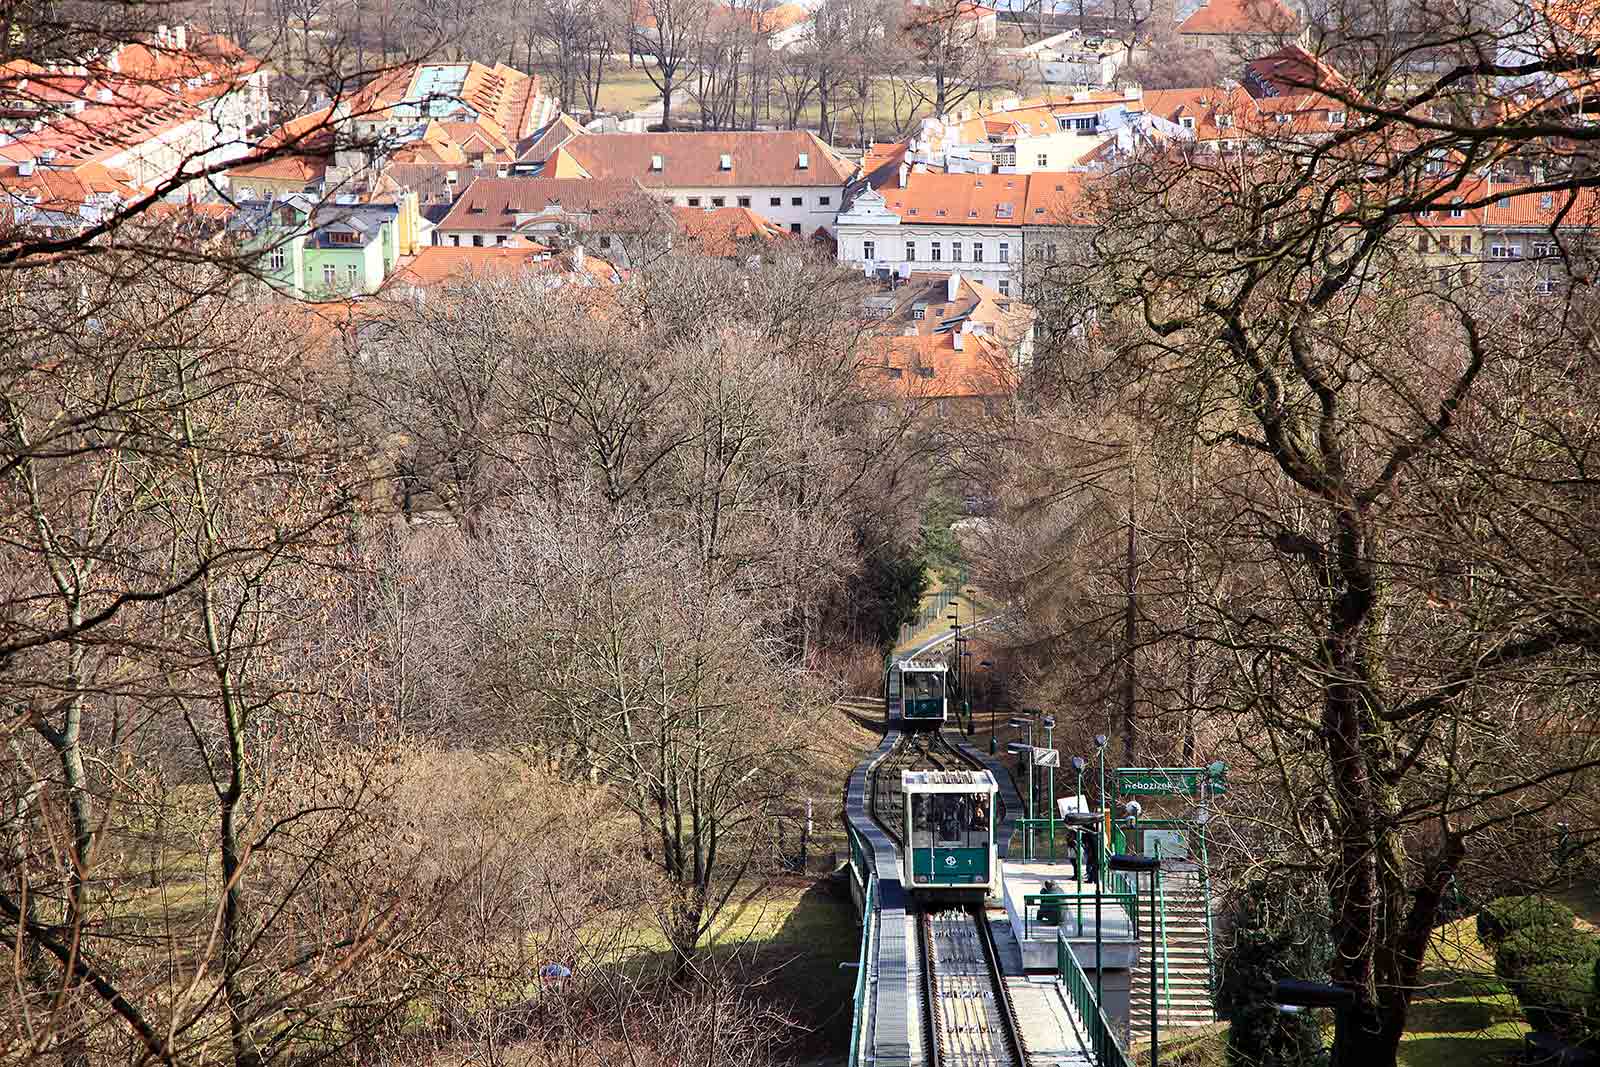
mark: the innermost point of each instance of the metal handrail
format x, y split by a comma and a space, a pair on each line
1166, 950
1129, 903
1205, 895
1080, 994
858, 1025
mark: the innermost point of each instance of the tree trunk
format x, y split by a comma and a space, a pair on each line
1130, 631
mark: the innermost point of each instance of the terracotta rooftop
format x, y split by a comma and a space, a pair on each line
1259, 17
723, 231
494, 204
438, 264
761, 158
984, 199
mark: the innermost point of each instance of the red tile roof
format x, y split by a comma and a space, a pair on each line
985, 199
694, 160
493, 204
1261, 17
724, 231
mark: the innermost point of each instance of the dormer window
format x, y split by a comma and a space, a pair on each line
1546, 202
726, 163
1336, 118
805, 161
655, 163
1455, 211
941, 211
1187, 122
1224, 120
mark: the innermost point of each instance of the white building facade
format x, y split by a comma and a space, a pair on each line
876, 240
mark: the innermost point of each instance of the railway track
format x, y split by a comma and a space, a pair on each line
967, 1016
915, 752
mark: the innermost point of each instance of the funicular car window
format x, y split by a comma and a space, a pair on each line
923, 685
949, 820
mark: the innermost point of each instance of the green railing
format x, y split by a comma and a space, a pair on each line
1081, 904
1205, 896
858, 1024
1080, 994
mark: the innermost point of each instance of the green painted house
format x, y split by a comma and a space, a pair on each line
323, 251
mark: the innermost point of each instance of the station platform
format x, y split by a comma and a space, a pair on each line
1036, 941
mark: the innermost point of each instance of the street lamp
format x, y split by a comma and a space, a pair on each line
988, 700
1151, 866
1290, 993
955, 624
1050, 777
1078, 765
966, 698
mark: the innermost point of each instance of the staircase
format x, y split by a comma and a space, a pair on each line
1184, 959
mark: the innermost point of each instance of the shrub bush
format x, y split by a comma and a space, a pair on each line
1559, 998
1544, 945
1504, 916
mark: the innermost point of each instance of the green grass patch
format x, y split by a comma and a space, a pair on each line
1462, 1015
627, 90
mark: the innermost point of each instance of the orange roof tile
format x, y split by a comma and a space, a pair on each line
1261, 17
759, 158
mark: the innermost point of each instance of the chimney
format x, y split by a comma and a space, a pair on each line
577, 257
904, 171
952, 286
655, 163
958, 338
25, 167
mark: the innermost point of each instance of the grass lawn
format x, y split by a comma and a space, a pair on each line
627, 90
1462, 1017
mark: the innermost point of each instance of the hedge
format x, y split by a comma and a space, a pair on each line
1504, 916
1559, 998
1536, 945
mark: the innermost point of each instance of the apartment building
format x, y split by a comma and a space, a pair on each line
150, 110
977, 224
790, 177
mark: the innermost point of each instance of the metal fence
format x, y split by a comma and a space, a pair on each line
858, 1026
1080, 993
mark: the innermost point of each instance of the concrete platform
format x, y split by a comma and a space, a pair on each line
1037, 941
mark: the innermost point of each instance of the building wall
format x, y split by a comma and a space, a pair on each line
256, 188
889, 250
368, 260
810, 213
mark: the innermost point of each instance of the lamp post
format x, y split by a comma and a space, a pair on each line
955, 624
1050, 781
988, 700
1078, 764
1100, 741
966, 698
1293, 994
1151, 866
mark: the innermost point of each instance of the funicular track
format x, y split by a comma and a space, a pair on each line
967, 1016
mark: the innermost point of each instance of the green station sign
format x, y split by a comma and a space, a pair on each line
1169, 781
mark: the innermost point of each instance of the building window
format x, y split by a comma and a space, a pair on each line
955, 251
977, 251
1224, 120
776, 201
824, 200
1504, 251
1544, 248
911, 250
1422, 243
744, 201
455, 240
1546, 202
1455, 211
719, 201
795, 201
1466, 242
694, 201
937, 254
1043, 160
1187, 122
919, 313
1005, 251
275, 261
869, 250
329, 279
794, 227
500, 239
1050, 253
1503, 202
477, 240
1336, 118
1004, 286
354, 274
